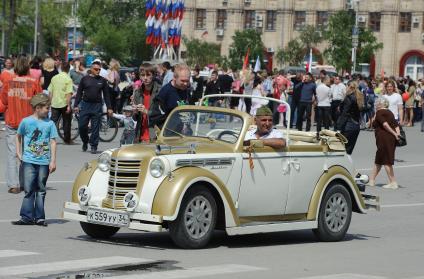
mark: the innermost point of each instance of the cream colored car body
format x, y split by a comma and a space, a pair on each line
282, 192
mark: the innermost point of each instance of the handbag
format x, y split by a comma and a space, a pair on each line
402, 138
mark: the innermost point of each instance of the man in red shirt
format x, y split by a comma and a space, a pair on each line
15, 95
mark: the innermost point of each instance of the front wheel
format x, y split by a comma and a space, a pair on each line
196, 219
335, 214
108, 128
98, 231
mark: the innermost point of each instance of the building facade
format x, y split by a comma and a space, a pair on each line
398, 24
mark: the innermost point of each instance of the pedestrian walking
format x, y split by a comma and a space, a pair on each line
323, 104
15, 95
212, 88
37, 134
409, 104
395, 100
60, 92
294, 98
142, 99
197, 87
173, 94
48, 72
258, 91
387, 133
338, 93
168, 74
349, 121
92, 91
127, 119
307, 97
113, 81
35, 68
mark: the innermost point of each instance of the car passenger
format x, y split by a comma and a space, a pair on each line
265, 131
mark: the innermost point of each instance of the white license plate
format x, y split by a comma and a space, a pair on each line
106, 217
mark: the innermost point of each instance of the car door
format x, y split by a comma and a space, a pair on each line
264, 188
306, 167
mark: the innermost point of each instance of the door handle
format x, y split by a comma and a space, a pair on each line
295, 164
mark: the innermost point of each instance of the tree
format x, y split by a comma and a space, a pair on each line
242, 41
116, 29
310, 36
202, 53
293, 54
339, 36
296, 49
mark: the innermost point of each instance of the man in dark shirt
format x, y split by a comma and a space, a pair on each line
197, 87
92, 90
171, 95
307, 97
212, 87
225, 82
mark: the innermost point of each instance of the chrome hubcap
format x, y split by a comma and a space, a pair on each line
336, 211
198, 217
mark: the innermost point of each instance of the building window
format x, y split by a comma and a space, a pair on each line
200, 19
322, 19
249, 19
299, 20
405, 21
271, 20
221, 19
374, 22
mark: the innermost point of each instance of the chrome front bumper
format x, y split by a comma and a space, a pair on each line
138, 221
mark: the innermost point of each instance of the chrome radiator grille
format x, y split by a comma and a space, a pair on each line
123, 178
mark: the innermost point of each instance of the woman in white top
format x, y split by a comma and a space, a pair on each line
324, 104
395, 101
260, 92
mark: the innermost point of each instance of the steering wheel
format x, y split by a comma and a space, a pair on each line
227, 132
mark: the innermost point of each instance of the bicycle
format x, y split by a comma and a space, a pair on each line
107, 132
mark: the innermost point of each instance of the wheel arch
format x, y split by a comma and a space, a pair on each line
170, 193
342, 176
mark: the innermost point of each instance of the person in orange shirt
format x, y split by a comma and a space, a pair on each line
15, 96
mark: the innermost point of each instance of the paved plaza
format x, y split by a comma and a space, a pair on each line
385, 244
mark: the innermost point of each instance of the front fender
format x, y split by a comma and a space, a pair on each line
83, 178
169, 195
335, 172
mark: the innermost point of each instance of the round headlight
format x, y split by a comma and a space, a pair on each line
130, 201
84, 195
103, 163
157, 167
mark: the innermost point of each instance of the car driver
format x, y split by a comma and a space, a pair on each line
264, 130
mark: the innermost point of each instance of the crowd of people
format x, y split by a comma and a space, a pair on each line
347, 104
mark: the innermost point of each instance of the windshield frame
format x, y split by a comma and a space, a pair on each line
197, 109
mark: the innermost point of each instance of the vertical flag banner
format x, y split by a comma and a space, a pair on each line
164, 21
257, 65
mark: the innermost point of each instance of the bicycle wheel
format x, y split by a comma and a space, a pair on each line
74, 127
108, 128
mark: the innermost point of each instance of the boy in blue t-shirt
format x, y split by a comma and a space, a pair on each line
38, 159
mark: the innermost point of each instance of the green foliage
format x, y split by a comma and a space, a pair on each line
202, 53
339, 37
116, 29
293, 54
243, 40
310, 36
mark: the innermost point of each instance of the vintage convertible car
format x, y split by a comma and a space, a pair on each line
199, 177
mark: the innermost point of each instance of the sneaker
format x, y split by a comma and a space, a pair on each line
371, 183
93, 150
22, 223
84, 147
41, 223
392, 185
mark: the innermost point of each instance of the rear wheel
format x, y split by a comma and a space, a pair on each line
98, 231
335, 214
196, 219
74, 127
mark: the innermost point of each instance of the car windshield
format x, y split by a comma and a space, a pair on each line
205, 124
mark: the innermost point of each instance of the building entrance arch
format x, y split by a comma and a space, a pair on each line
412, 64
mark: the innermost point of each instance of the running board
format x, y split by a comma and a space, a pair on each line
372, 202
272, 227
